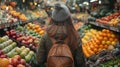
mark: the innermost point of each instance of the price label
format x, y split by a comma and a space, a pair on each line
96, 23
113, 28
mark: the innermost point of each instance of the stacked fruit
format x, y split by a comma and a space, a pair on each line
109, 18
7, 45
103, 40
3, 7
7, 18
29, 41
13, 34
35, 28
115, 21
4, 62
33, 33
28, 32
18, 15
88, 35
2, 55
9, 48
16, 61
25, 53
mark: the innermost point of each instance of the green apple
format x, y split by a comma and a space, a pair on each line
28, 58
5, 38
31, 53
1, 46
8, 42
10, 47
22, 48
11, 52
14, 44
23, 54
18, 50
5, 50
28, 49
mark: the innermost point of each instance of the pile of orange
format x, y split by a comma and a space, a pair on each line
3, 7
4, 62
35, 28
88, 35
103, 40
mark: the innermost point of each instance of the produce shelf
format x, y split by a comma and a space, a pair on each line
116, 29
5, 25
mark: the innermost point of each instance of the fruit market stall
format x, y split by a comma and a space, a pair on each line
21, 32
101, 41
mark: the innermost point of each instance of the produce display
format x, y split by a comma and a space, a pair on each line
28, 32
83, 29
78, 25
35, 28
112, 19
2, 55
112, 63
37, 13
16, 61
21, 31
14, 13
96, 41
11, 55
6, 18
10, 48
23, 39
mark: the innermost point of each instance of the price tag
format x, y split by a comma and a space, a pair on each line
96, 23
101, 25
113, 28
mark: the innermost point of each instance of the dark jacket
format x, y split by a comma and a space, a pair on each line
46, 44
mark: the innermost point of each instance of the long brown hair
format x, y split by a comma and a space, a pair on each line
67, 28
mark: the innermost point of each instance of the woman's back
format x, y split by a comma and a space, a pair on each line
60, 28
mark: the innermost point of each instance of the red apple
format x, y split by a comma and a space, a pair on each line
7, 32
33, 47
18, 36
20, 65
1, 52
13, 33
20, 39
14, 62
23, 41
10, 65
30, 40
17, 57
14, 36
12, 30
22, 61
21, 35
3, 56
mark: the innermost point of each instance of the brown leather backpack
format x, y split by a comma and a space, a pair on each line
60, 55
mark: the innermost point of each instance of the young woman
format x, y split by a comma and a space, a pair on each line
61, 27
